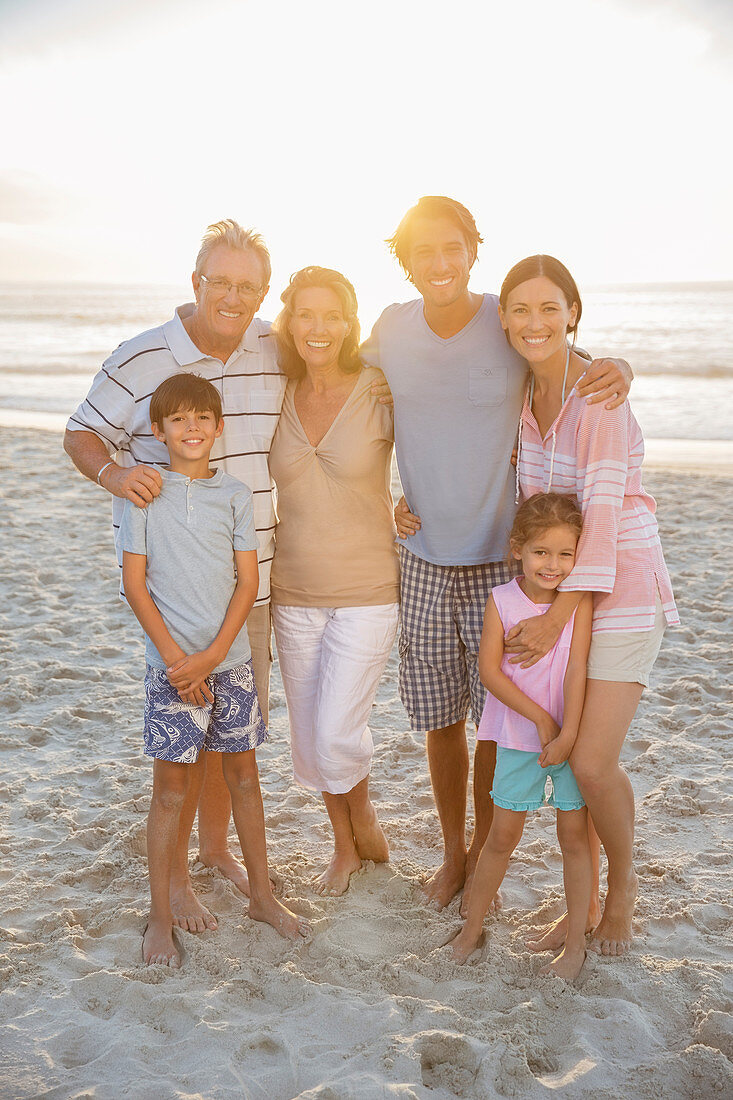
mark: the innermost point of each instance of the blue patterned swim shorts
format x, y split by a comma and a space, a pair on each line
178, 731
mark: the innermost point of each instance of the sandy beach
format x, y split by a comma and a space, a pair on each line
369, 1007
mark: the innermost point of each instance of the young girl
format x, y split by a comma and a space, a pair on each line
533, 714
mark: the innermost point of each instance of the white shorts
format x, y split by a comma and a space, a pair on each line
331, 661
626, 657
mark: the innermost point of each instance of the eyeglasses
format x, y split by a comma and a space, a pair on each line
223, 286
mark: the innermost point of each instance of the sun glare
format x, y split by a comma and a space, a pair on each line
560, 127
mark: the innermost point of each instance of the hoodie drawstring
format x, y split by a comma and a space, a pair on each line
554, 433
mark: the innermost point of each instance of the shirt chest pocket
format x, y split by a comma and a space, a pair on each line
487, 385
264, 410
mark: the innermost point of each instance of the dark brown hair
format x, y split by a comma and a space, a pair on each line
552, 269
541, 512
433, 206
325, 278
182, 392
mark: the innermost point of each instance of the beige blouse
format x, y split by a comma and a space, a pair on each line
335, 540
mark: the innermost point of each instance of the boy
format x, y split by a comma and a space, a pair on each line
190, 576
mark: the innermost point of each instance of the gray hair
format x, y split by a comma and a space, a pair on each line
233, 235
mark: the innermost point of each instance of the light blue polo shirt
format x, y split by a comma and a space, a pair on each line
457, 404
189, 534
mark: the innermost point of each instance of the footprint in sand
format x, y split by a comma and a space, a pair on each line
369, 938
99, 994
448, 1061
72, 1048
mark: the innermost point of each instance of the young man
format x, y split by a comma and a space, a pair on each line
190, 576
109, 440
457, 389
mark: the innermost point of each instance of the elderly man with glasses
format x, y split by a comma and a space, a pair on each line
109, 440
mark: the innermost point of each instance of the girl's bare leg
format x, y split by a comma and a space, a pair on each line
577, 869
345, 860
552, 936
369, 838
607, 714
240, 772
504, 835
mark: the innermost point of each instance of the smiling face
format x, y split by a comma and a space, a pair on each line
537, 318
189, 437
439, 261
547, 559
318, 327
222, 317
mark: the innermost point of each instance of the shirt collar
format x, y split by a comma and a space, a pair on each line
184, 350
174, 476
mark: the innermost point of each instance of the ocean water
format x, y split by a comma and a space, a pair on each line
677, 337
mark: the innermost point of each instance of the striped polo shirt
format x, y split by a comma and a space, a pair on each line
251, 386
595, 455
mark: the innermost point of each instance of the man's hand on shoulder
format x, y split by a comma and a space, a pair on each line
381, 392
606, 380
138, 484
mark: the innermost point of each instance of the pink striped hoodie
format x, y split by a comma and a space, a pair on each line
595, 455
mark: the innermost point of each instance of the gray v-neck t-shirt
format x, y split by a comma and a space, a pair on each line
456, 405
189, 534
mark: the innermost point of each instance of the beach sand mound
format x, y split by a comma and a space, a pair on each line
369, 1007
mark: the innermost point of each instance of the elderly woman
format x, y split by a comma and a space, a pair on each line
335, 576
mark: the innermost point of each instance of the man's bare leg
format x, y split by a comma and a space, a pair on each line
215, 806
334, 881
371, 843
448, 763
484, 765
188, 912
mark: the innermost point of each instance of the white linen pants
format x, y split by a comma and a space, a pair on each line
331, 660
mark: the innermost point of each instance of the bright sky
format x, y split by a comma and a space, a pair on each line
591, 130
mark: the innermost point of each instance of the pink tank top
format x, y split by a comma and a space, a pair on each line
542, 683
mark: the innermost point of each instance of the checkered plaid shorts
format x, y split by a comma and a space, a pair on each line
442, 613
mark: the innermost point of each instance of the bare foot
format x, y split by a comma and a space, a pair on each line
335, 879
444, 884
552, 936
271, 911
497, 901
158, 945
188, 912
567, 965
369, 838
613, 935
235, 871
230, 867
463, 944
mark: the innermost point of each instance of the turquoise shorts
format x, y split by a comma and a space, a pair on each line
521, 784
